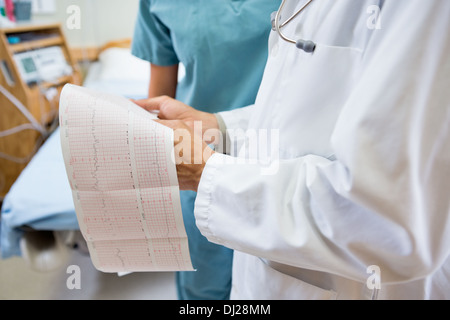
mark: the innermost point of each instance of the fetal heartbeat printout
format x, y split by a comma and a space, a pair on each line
124, 183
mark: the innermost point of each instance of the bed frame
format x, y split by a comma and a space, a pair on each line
24, 144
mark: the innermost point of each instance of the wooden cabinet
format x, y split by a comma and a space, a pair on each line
40, 99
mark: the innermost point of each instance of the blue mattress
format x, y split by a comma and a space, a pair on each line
41, 198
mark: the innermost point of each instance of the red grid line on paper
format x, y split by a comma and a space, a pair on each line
168, 253
154, 181
159, 213
123, 195
124, 255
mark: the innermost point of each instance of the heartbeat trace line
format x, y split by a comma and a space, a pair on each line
101, 128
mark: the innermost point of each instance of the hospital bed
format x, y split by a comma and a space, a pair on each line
38, 220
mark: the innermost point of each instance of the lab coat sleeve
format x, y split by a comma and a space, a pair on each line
385, 199
233, 125
237, 118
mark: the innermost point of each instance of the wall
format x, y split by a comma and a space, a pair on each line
100, 20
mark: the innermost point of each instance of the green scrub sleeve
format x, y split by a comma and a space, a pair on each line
152, 41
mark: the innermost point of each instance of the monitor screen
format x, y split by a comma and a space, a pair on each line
28, 65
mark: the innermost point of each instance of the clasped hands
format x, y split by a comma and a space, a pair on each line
192, 149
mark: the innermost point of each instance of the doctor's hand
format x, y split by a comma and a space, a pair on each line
191, 153
170, 109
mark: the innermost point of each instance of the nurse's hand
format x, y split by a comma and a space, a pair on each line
170, 109
191, 154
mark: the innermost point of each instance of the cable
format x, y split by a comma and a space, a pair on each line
33, 125
22, 127
26, 159
36, 125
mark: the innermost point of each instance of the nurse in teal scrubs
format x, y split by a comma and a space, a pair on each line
223, 47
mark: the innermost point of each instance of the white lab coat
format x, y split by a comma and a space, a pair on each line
364, 176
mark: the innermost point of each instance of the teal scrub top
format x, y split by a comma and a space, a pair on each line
199, 34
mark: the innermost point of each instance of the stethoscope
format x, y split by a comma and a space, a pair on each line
305, 45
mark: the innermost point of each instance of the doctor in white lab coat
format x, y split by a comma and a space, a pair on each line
357, 205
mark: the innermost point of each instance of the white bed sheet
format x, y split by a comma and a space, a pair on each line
131, 88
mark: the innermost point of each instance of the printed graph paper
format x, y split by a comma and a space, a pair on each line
124, 183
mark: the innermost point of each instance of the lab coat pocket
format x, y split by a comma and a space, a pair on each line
315, 102
255, 279
291, 288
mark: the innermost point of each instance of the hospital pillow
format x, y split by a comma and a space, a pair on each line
118, 64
